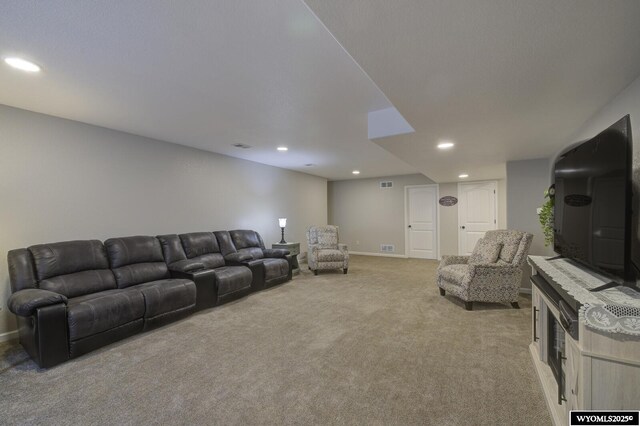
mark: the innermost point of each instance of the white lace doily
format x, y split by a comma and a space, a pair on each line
615, 310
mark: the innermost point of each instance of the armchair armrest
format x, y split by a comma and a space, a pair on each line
494, 273
237, 258
275, 253
186, 265
25, 302
342, 247
453, 260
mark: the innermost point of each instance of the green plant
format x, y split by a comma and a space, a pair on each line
546, 215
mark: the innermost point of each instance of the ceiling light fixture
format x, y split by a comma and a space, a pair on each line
283, 148
22, 64
356, 172
463, 176
445, 145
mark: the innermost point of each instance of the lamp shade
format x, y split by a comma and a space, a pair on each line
283, 222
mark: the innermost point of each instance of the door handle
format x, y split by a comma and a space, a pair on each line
409, 226
463, 227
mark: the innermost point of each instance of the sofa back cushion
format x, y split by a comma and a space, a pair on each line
171, 248
202, 247
248, 242
136, 260
225, 242
72, 268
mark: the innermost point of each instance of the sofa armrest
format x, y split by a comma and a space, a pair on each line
25, 302
237, 259
271, 253
453, 260
186, 265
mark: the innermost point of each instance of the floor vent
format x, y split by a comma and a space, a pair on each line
241, 145
386, 184
387, 248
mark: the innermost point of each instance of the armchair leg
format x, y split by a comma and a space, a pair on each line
344, 271
468, 306
315, 272
442, 292
515, 305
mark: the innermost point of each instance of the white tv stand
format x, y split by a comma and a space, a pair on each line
602, 366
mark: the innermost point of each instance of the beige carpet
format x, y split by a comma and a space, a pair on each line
376, 346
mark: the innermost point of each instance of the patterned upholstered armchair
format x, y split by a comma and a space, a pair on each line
324, 250
493, 271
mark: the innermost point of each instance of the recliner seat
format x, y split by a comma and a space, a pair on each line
268, 266
197, 256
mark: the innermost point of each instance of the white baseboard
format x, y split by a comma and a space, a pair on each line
525, 290
363, 253
9, 335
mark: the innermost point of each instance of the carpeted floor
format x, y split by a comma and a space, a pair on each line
376, 346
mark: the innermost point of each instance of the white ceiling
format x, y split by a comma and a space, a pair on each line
206, 74
504, 79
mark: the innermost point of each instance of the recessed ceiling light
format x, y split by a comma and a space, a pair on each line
463, 176
309, 164
22, 64
283, 148
445, 145
356, 172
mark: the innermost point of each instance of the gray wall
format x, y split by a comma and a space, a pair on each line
62, 180
369, 215
526, 182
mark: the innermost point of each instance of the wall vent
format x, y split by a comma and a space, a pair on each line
241, 145
387, 248
386, 184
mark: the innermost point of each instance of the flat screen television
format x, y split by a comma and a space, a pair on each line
592, 210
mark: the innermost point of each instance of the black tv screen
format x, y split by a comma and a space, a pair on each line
592, 211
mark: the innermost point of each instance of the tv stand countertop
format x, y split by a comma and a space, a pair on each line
614, 310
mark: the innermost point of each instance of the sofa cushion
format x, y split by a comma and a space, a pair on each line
275, 268
454, 273
73, 268
254, 252
485, 251
68, 257
136, 260
171, 248
245, 238
94, 313
330, 255
164, 296
80, 283
230, 279
199, 243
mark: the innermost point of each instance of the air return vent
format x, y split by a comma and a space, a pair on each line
241, 146
387, 248
386, 184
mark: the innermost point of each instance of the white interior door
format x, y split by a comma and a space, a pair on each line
477, 213
422, 221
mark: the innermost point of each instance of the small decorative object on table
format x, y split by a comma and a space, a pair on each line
294, 251
283, 223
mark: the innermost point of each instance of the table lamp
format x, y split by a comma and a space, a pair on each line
283, 223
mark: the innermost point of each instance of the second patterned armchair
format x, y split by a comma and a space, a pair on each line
324, 250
